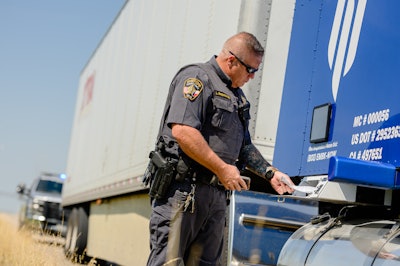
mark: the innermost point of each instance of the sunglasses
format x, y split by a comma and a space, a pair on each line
249, 69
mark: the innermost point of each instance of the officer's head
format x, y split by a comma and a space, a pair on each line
240, 58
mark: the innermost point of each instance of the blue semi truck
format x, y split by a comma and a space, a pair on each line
324, 110
338, 132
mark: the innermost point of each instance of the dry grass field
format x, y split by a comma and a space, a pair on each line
21, 247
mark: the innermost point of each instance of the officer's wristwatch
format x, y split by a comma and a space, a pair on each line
269, 174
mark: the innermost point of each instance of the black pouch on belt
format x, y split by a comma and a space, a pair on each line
183, 170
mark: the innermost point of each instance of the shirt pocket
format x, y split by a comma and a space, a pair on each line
224, 113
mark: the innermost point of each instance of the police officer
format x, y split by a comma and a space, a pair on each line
204, 130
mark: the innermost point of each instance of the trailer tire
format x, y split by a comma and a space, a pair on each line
76, 237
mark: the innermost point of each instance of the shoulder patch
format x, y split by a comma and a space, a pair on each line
222, 94
192, 88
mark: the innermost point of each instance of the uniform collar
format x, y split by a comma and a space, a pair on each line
220, 73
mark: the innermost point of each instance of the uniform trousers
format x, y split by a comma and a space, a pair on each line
191, 237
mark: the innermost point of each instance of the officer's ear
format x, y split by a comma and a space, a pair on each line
230, 61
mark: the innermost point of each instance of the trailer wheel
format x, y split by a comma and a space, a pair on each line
76, 237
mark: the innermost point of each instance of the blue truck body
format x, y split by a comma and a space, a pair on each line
339, 122
365, 111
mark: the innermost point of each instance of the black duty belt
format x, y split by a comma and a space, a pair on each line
208, 179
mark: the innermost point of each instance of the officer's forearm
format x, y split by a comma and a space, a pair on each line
195, 146
254, 160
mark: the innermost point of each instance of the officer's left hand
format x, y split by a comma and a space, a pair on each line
278, 185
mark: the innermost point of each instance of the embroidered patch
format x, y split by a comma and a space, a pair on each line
192, 88
222, 94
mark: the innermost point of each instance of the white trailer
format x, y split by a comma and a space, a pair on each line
120, 100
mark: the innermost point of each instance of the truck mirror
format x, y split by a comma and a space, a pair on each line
21, 188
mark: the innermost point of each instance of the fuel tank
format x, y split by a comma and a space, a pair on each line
329, 241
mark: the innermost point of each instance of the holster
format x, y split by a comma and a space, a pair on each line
162, 180
163, 172
162, 169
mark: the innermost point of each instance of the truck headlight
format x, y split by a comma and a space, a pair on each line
37, 205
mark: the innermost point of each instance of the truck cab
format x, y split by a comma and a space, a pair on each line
41, 207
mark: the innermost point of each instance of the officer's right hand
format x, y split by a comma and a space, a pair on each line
230, 178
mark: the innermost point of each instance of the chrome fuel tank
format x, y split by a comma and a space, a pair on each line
261, 223
330, 241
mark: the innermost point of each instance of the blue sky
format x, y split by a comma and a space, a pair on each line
44, 45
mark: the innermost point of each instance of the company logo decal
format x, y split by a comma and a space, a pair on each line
344, 39
88, 91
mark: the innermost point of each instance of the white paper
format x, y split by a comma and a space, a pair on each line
304, 189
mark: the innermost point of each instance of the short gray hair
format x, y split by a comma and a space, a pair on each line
244, 40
